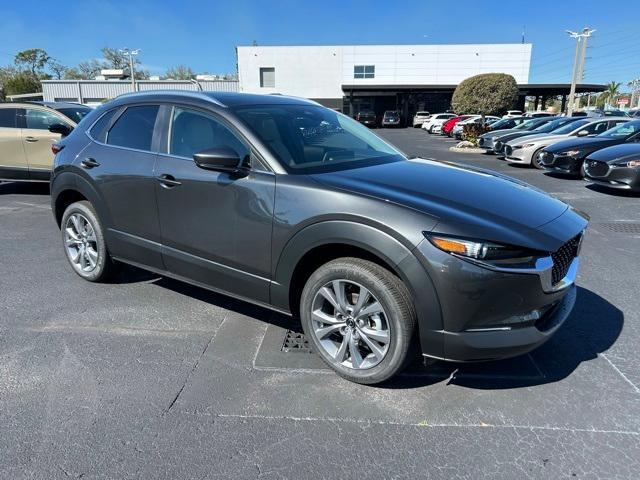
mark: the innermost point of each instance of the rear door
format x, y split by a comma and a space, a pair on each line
37, 139
120, 163
13, 161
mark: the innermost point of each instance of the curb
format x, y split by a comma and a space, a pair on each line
466, 150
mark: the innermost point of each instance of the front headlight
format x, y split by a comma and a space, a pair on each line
528, 145
629, 163
572, 153
486, 252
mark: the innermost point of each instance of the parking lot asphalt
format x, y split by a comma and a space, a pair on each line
147, 377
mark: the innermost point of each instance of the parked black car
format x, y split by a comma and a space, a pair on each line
488, 140
391, 118
567, 156
548, 125
366, 117
287, 204
615, 167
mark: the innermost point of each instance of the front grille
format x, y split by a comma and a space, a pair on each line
596, 169
508, 150
563, 257
546, 158
498, 146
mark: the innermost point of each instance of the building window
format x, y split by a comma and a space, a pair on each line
364, 71
267, 77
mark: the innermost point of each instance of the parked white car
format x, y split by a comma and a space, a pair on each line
434, 124
457, 130
512, 113
526, 150
420, 117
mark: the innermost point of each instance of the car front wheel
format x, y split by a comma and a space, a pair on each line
359, 318
83, 241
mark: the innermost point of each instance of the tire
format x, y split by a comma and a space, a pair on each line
534, 159
431, 129
394, 324
583, 171
77, 238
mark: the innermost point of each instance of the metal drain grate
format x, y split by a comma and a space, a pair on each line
295, 342
622, 227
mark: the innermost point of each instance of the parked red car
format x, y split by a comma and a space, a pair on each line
447, 127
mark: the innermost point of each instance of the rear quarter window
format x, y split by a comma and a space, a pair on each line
99, 130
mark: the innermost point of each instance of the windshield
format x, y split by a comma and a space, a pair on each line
75, 113
313, 139
570, 127
503, 122
623, 130
531, 124
552, 125
422, 114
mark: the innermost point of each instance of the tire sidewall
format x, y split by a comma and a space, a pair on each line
534, 159
85, 209
396, 355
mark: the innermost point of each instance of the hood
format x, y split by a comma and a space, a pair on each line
625, 151
454, 194
545, 137
582, 143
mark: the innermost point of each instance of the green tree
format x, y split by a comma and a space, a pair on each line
485, 94
179, 72
33, 59
21, 82
611, 93
57, 69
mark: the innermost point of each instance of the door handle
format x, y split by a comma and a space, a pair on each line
30, 139
168, 181
89, 163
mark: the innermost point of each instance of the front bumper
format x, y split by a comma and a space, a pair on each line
489, 314
619, 177
486, 144
561, 163
518, 154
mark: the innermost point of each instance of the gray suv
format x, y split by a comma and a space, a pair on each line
287, 204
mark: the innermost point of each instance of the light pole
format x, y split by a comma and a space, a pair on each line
130, 53
578, 62
635, 86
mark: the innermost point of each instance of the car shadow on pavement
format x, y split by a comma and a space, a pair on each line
24, 188
613, 192
592, 328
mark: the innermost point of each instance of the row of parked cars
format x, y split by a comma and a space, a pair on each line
604, 149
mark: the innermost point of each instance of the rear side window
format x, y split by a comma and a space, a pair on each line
134, 128
99, 130
8, 117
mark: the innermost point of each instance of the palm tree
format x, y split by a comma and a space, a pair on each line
612, 91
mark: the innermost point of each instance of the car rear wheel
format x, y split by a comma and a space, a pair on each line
83, 241
359, 318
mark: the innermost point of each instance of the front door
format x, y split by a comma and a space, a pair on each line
120, 161
37, 140
13, 161
216, 227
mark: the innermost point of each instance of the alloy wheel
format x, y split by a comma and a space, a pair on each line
350, 324
81, 243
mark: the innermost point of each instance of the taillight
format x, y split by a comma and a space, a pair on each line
56, 148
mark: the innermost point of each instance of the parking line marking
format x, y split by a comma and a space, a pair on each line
620, 372
401, 424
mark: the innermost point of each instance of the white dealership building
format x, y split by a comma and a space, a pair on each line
384, 77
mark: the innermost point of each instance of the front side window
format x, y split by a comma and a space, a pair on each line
570, 127
313, 139
193, 132
41, 119
625, 130
8, 117
267, 77
596, 128
134, 128
364, 71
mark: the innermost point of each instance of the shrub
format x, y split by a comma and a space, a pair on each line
485, 94
472, 131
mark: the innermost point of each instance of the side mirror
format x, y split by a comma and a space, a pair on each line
583, 133
221, 159
60, 128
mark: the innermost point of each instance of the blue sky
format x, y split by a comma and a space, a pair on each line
203, 34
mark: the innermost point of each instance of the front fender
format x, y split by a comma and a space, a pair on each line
378, 243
